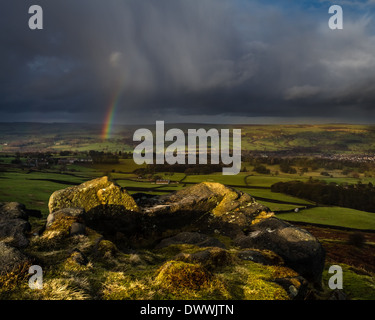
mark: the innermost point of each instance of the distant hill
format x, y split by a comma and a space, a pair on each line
328, 138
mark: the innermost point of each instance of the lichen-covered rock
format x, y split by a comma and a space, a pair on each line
299, 249
192, 218
108, 207
207, 206
92, 194
107, 249
206, 197
14, 224
13, 210
60, 227
10, 258
70, 212
77, 228
64, 223
179, 275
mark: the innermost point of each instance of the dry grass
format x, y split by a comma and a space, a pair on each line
118, 286
13, 280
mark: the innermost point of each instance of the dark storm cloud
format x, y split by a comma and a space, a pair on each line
186, 58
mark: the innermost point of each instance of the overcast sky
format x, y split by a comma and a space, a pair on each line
222, 61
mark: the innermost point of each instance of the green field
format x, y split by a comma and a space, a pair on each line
347, 138
339, 138
34, 189
334, 216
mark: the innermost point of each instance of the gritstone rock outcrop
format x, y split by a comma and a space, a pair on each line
206, 208
226, 225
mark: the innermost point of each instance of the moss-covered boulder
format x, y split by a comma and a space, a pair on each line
107, 249
14, 271
10, 258
179, 275
13, 210
77, 213
208, 197
184, 245
210, 258
14, 224
92, 194
78, 258
206, 206
109, 209
59, 224
300, 250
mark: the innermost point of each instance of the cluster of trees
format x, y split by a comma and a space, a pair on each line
125, 155
108, 155
287, 168
259, 168
357, 196
284, 167
20, 158
308, 162
99, 157
65, 153
181, 168
302, 165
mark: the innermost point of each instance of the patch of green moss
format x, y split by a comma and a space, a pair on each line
252, 281
93, 236
210, 258
60, 228
227, 204
178, 275
107, 248
356, 285
227, 241
261, 216
174, 249
258, 288
149, 275
181, 280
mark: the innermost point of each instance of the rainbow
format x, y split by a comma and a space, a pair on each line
108, 123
